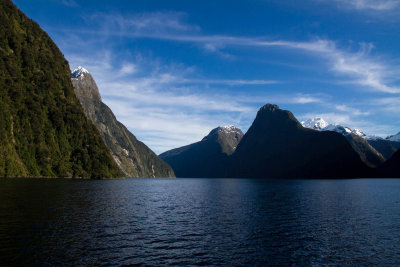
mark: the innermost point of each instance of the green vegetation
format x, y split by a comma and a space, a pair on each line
43, 130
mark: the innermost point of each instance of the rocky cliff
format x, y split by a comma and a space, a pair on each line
133, 157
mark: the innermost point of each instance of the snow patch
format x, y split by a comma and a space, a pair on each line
79, 73
394, 138
317, 123
358, 132
229, 129
320, 124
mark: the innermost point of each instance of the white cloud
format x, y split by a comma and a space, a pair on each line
229, 82
70, 3
168, 106
142, 23
377, 5
351, 110
388, 104
127, 68
305, 99
358, 66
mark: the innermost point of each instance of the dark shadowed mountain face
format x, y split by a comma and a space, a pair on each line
43, 129
207, 158
131, 155
391, 168
368, 154
386, 147
277, 146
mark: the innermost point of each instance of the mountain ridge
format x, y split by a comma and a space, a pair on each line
278, 146
133, 157
373, 150
357, 139
207, 158
43, 130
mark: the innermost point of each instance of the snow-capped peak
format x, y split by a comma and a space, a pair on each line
317, 123
229, 128
394, 138
358, 132
320, 124
79, 73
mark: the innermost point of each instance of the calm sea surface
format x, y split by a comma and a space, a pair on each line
227, 222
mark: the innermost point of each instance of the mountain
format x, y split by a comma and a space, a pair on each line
43, 129
391, 168
316, 123
394, 138
133, 157
277, 146
207, 158
386, 147
368, 154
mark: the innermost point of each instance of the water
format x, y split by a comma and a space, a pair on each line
223, 222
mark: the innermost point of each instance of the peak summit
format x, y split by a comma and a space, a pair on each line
84, 86
320, 124
79, 73
225, 131
316, 123
229, 128
269, 107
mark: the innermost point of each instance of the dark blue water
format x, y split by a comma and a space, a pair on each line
199, 222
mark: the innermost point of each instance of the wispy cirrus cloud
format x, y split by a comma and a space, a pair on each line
171, 106
151, 23
377, 5
70, 3
351, 110
359, 67
388, 104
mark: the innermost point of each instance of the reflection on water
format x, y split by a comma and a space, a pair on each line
199, 222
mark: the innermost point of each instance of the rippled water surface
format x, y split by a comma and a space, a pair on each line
227, 222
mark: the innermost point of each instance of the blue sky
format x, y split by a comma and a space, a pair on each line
173, 70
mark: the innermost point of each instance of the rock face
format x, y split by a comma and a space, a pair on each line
208, 158
43, 129
386, 147
133, 157
368, 154
277, 146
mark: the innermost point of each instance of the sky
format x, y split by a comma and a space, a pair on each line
171, 71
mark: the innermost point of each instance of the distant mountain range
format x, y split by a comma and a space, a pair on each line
54, 124
133, 157
278, 146
384, 146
